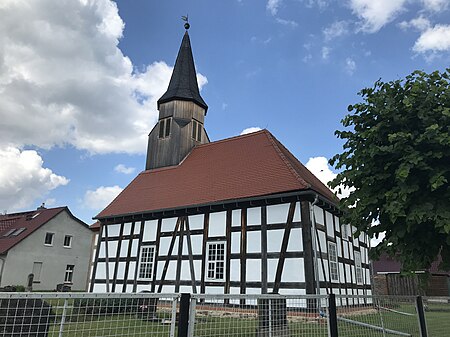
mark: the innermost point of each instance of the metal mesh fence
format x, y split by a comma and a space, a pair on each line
437, 315
57, 315
377, 316
258, 315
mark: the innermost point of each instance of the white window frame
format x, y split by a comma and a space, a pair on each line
143, 263
345, 232
68, 276
211, 273
53, 239
70, 241
333, 261
358, 268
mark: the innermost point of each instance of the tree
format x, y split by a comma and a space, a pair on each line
396, 156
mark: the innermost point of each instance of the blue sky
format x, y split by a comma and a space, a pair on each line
79, 80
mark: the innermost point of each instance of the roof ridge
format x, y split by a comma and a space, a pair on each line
285, 160
232, 138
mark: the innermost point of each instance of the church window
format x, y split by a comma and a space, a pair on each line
332, 255
197, 130
215, 261
146, 262
164, 127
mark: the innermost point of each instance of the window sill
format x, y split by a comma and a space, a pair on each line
67, 247
48, 245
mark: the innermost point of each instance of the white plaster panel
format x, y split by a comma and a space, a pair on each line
236, 217
330, 225
102, 252
254, 242
293, 270
337, 223
94, 252
297, 213
137, 227
346, 254
254, 216
235, 290
129, 288
318, 215
159, 271
253, 291
293, 302
271, 269
235, 271
363, 255
353, 274
322, 241
99, 288
339, 246
341, 273
127, 228
295, 243
168, 224
351, 252
113, 230
235, 242
196, 221
347, 273
355, 240
131, 270
134, 247
124, 248
253, 271
168, 289
171, 271
213, 290
186, 270
277, 213
367, 276
143, 287
217, 224
274, 240
185, 289
121, 271
112, 248
197, 242
164, 244
150, 229
101, 270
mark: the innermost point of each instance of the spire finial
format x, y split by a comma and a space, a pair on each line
186, 19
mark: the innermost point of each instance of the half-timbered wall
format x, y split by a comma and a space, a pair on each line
250, 250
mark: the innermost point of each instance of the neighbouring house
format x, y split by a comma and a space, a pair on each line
388, 280
49, 243
236, 216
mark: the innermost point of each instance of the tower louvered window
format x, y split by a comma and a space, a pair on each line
164, 127
197, 130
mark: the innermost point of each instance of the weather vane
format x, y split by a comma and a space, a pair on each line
186, 19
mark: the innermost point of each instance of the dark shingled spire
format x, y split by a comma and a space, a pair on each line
183, 83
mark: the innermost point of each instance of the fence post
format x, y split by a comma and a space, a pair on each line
63, 319
183, 317
421, 315
332, 316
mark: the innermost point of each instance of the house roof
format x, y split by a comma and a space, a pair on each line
183, 83
17, 226
386, 265
246, 166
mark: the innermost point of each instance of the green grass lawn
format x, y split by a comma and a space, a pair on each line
130, 324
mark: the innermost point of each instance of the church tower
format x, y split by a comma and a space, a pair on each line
182, 112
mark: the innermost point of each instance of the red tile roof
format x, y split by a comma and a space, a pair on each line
30, 221
250, 165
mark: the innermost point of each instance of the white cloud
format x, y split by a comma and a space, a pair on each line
350, 65
433, 40
420, 23
101, 197
336, 29
435, 5
23, 179
63, 79
376, 14
290, 23
320, 168
250, 130
272, 6
325, 52
124, 169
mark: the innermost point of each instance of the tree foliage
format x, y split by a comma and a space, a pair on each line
397, 157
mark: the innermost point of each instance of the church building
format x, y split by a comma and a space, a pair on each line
236, 216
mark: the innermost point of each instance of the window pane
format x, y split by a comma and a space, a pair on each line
49, 238
194, 129
199, 132
161, 128
67, 241
167, 127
